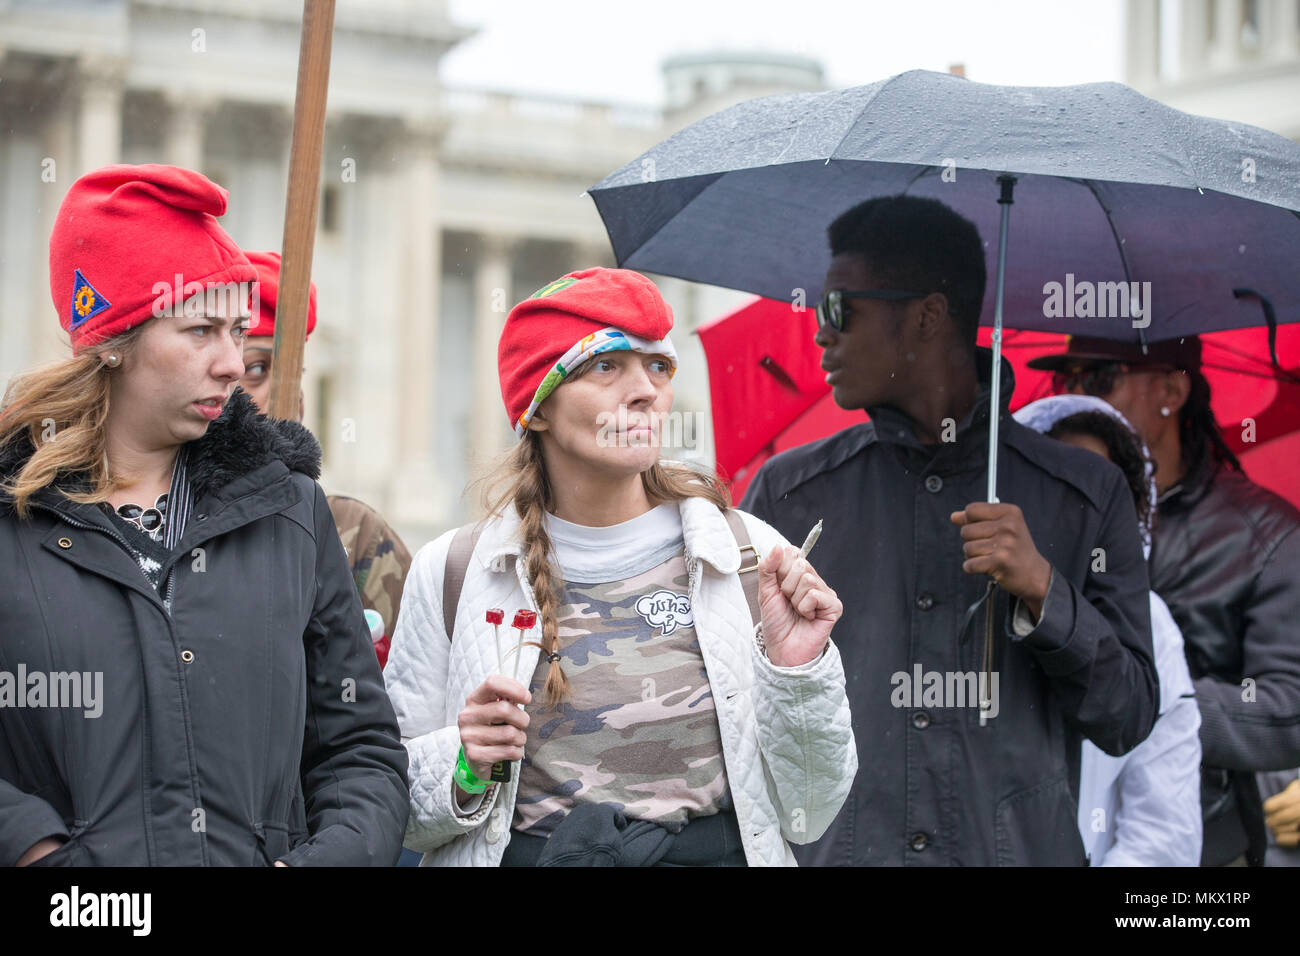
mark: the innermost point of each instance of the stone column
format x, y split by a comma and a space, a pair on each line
184, 132
273, 124
493, 277
418, 496
1143, 44
46, 340
1193, 39
1281, 27
361, 276
1226, 44
282, 114
99, 128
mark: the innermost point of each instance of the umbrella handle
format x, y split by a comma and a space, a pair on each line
1005, 200
1270, 320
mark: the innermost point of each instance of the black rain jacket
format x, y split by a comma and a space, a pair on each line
250, 724
934, 787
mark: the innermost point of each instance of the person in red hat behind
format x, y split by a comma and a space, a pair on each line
259, 343
184, 629
606, 671
378, 558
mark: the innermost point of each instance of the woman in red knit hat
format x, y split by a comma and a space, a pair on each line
613, 668
186, 677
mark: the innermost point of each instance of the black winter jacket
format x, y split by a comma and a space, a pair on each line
1225, 557
248, 725
934, 787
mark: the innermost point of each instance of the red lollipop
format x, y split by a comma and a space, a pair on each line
524, 619
495, 615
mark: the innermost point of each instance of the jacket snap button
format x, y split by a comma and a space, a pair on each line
925, 601
920, 720
187, 656
919, 842
933, 484
65, 543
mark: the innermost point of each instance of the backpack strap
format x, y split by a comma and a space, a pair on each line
748, 575
453, 576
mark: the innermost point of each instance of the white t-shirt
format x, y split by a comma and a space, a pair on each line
589, 555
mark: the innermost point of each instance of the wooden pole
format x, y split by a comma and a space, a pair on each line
300, 207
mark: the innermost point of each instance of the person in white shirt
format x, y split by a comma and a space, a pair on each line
1144, 808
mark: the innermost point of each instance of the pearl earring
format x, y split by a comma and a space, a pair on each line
1164, 410
112, 360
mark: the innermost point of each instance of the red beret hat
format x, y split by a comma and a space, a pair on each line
569, 320
267, 265
125, 232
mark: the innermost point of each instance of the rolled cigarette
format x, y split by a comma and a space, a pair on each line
811, 540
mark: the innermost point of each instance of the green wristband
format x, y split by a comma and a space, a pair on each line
465, 778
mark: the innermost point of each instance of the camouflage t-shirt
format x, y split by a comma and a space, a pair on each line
640, 730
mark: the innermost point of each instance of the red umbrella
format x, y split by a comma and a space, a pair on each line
769, 392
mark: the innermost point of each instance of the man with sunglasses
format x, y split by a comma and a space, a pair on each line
911, 545
1225, 557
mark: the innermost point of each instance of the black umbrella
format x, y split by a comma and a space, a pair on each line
1111, 187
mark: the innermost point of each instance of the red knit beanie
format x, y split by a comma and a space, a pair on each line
569, 320
267, 265
124, 233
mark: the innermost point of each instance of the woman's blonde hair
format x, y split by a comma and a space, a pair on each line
521, 479
62, 407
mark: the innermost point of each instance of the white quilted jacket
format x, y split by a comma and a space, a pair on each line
787, 741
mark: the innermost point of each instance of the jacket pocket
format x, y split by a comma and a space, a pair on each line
272, 842
70, 853
1038, 827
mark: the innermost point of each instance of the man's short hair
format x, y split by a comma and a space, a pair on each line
918, 245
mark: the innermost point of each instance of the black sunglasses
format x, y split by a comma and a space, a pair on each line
831, 310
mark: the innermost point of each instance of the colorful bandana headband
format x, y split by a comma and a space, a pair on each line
605, 340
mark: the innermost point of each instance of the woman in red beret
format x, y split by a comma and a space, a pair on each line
603, 672
186, 677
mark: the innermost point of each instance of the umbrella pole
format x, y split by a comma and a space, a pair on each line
1008, 184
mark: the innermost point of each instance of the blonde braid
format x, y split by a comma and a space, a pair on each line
532, 500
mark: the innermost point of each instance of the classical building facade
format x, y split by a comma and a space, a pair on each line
440, 207
1230, 59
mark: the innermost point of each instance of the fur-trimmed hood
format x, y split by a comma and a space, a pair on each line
243, 440
239, 442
